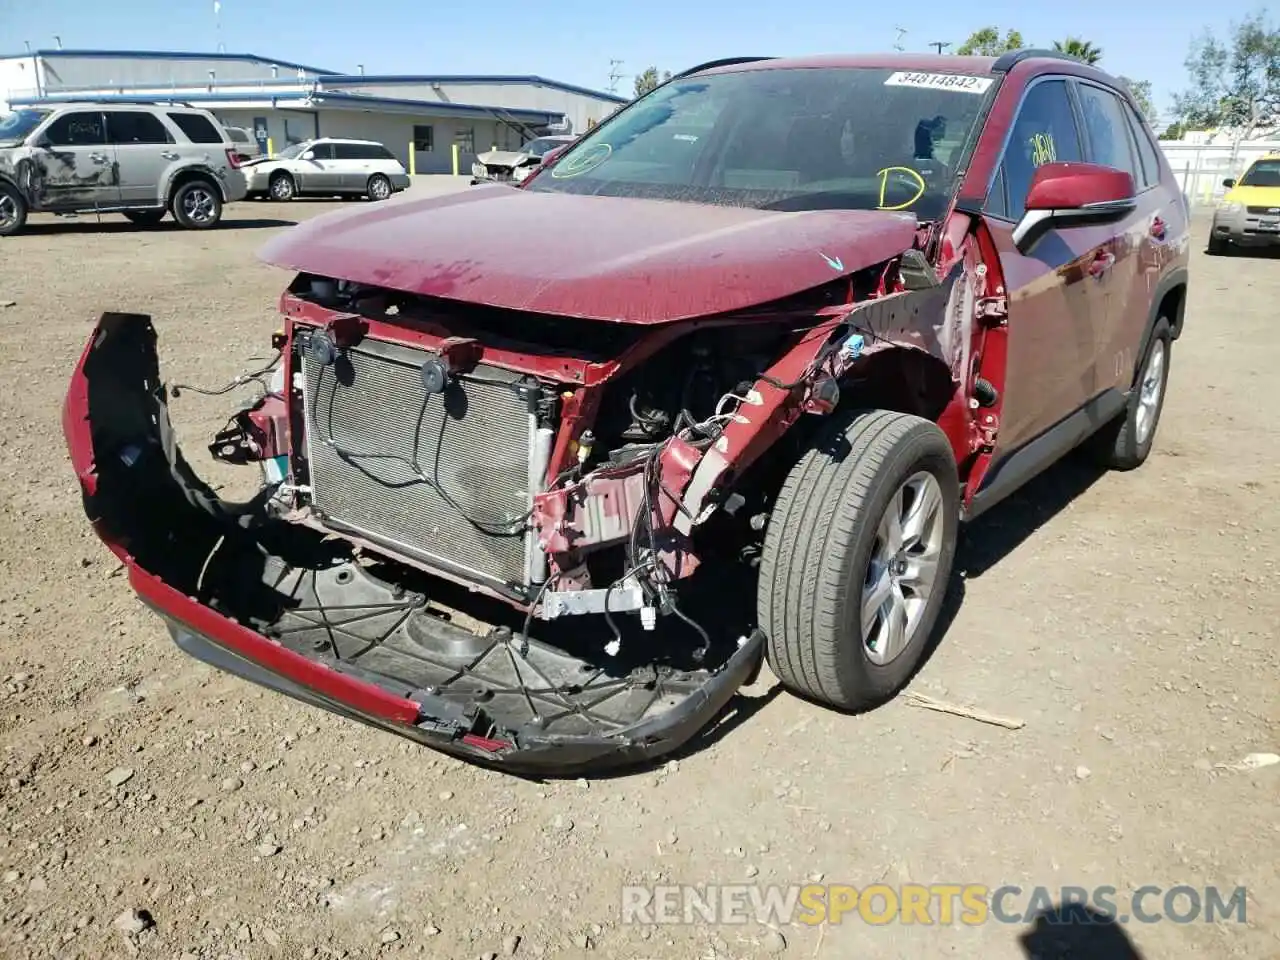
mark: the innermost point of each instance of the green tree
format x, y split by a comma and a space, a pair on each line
1141, 92
987, 42
1174, 131
649, 79
1079, 49
1234, 83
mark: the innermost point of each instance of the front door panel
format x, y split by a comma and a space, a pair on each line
1057, 302
74, 166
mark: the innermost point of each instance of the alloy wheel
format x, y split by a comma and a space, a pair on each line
902, 572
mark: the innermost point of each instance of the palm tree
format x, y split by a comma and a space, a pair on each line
1080, 49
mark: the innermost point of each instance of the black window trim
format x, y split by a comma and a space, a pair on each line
1008, 136
111, 141
1140, 129
172, 114
57, 116
1135, 156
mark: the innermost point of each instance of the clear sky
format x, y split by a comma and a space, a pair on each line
574, 40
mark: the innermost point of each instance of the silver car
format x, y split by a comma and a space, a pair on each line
514, 166
141, 160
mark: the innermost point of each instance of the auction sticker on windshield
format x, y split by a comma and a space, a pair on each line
939, 81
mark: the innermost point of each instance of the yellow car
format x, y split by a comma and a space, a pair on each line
1249, 214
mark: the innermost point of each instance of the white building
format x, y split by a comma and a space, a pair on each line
419, 118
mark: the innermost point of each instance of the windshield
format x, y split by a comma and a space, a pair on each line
536, 148
1264, 173
784, 139
288, 153
16, 125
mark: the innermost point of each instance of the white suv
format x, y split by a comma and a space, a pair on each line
141, 160
328, 166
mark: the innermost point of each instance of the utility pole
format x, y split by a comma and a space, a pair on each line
615, 74
940, 45
897, 45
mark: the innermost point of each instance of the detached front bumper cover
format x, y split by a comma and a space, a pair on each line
280, 606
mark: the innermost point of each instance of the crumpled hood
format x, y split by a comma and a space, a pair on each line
604, 258
502, 158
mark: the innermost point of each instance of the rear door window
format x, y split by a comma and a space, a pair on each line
197, 129
1044, 132
1148, 153
1107, 127
78, 128
350, 151
126, 127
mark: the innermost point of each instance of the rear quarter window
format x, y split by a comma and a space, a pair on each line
197, 129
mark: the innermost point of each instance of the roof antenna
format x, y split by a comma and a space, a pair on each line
897, 44
28, 43
58, 40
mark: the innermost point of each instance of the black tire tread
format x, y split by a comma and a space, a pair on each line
802, 583
23, 209
1110, 447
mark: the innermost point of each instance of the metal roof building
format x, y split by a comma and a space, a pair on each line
420, 118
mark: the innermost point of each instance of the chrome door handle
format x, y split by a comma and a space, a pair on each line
98, 157
170, 155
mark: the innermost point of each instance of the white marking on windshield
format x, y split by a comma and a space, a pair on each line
939, 81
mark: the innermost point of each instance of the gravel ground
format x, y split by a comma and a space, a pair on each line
152, 807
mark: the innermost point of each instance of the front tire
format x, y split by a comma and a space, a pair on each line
379, 188
281, 188
857, 558
197, 205
13, 210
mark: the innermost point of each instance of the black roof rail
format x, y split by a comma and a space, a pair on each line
723, 62
1007, 61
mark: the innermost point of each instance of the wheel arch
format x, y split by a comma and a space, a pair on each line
1169, 300
180, 178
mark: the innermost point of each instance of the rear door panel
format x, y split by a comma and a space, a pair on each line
144, 150
1109, 141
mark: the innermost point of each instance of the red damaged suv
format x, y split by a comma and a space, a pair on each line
548, 469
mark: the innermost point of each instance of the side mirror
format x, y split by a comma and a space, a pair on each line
309, 155
551, 154
541, 163
1229, 182
1072, 195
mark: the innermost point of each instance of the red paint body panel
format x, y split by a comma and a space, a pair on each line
1071, 185
622, 259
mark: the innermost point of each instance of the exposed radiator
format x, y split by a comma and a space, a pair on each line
472, 441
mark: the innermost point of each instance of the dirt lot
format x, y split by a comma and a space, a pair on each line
1128, 619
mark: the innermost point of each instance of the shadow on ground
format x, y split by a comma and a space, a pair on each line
1074, 931
994, 535
88, 225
